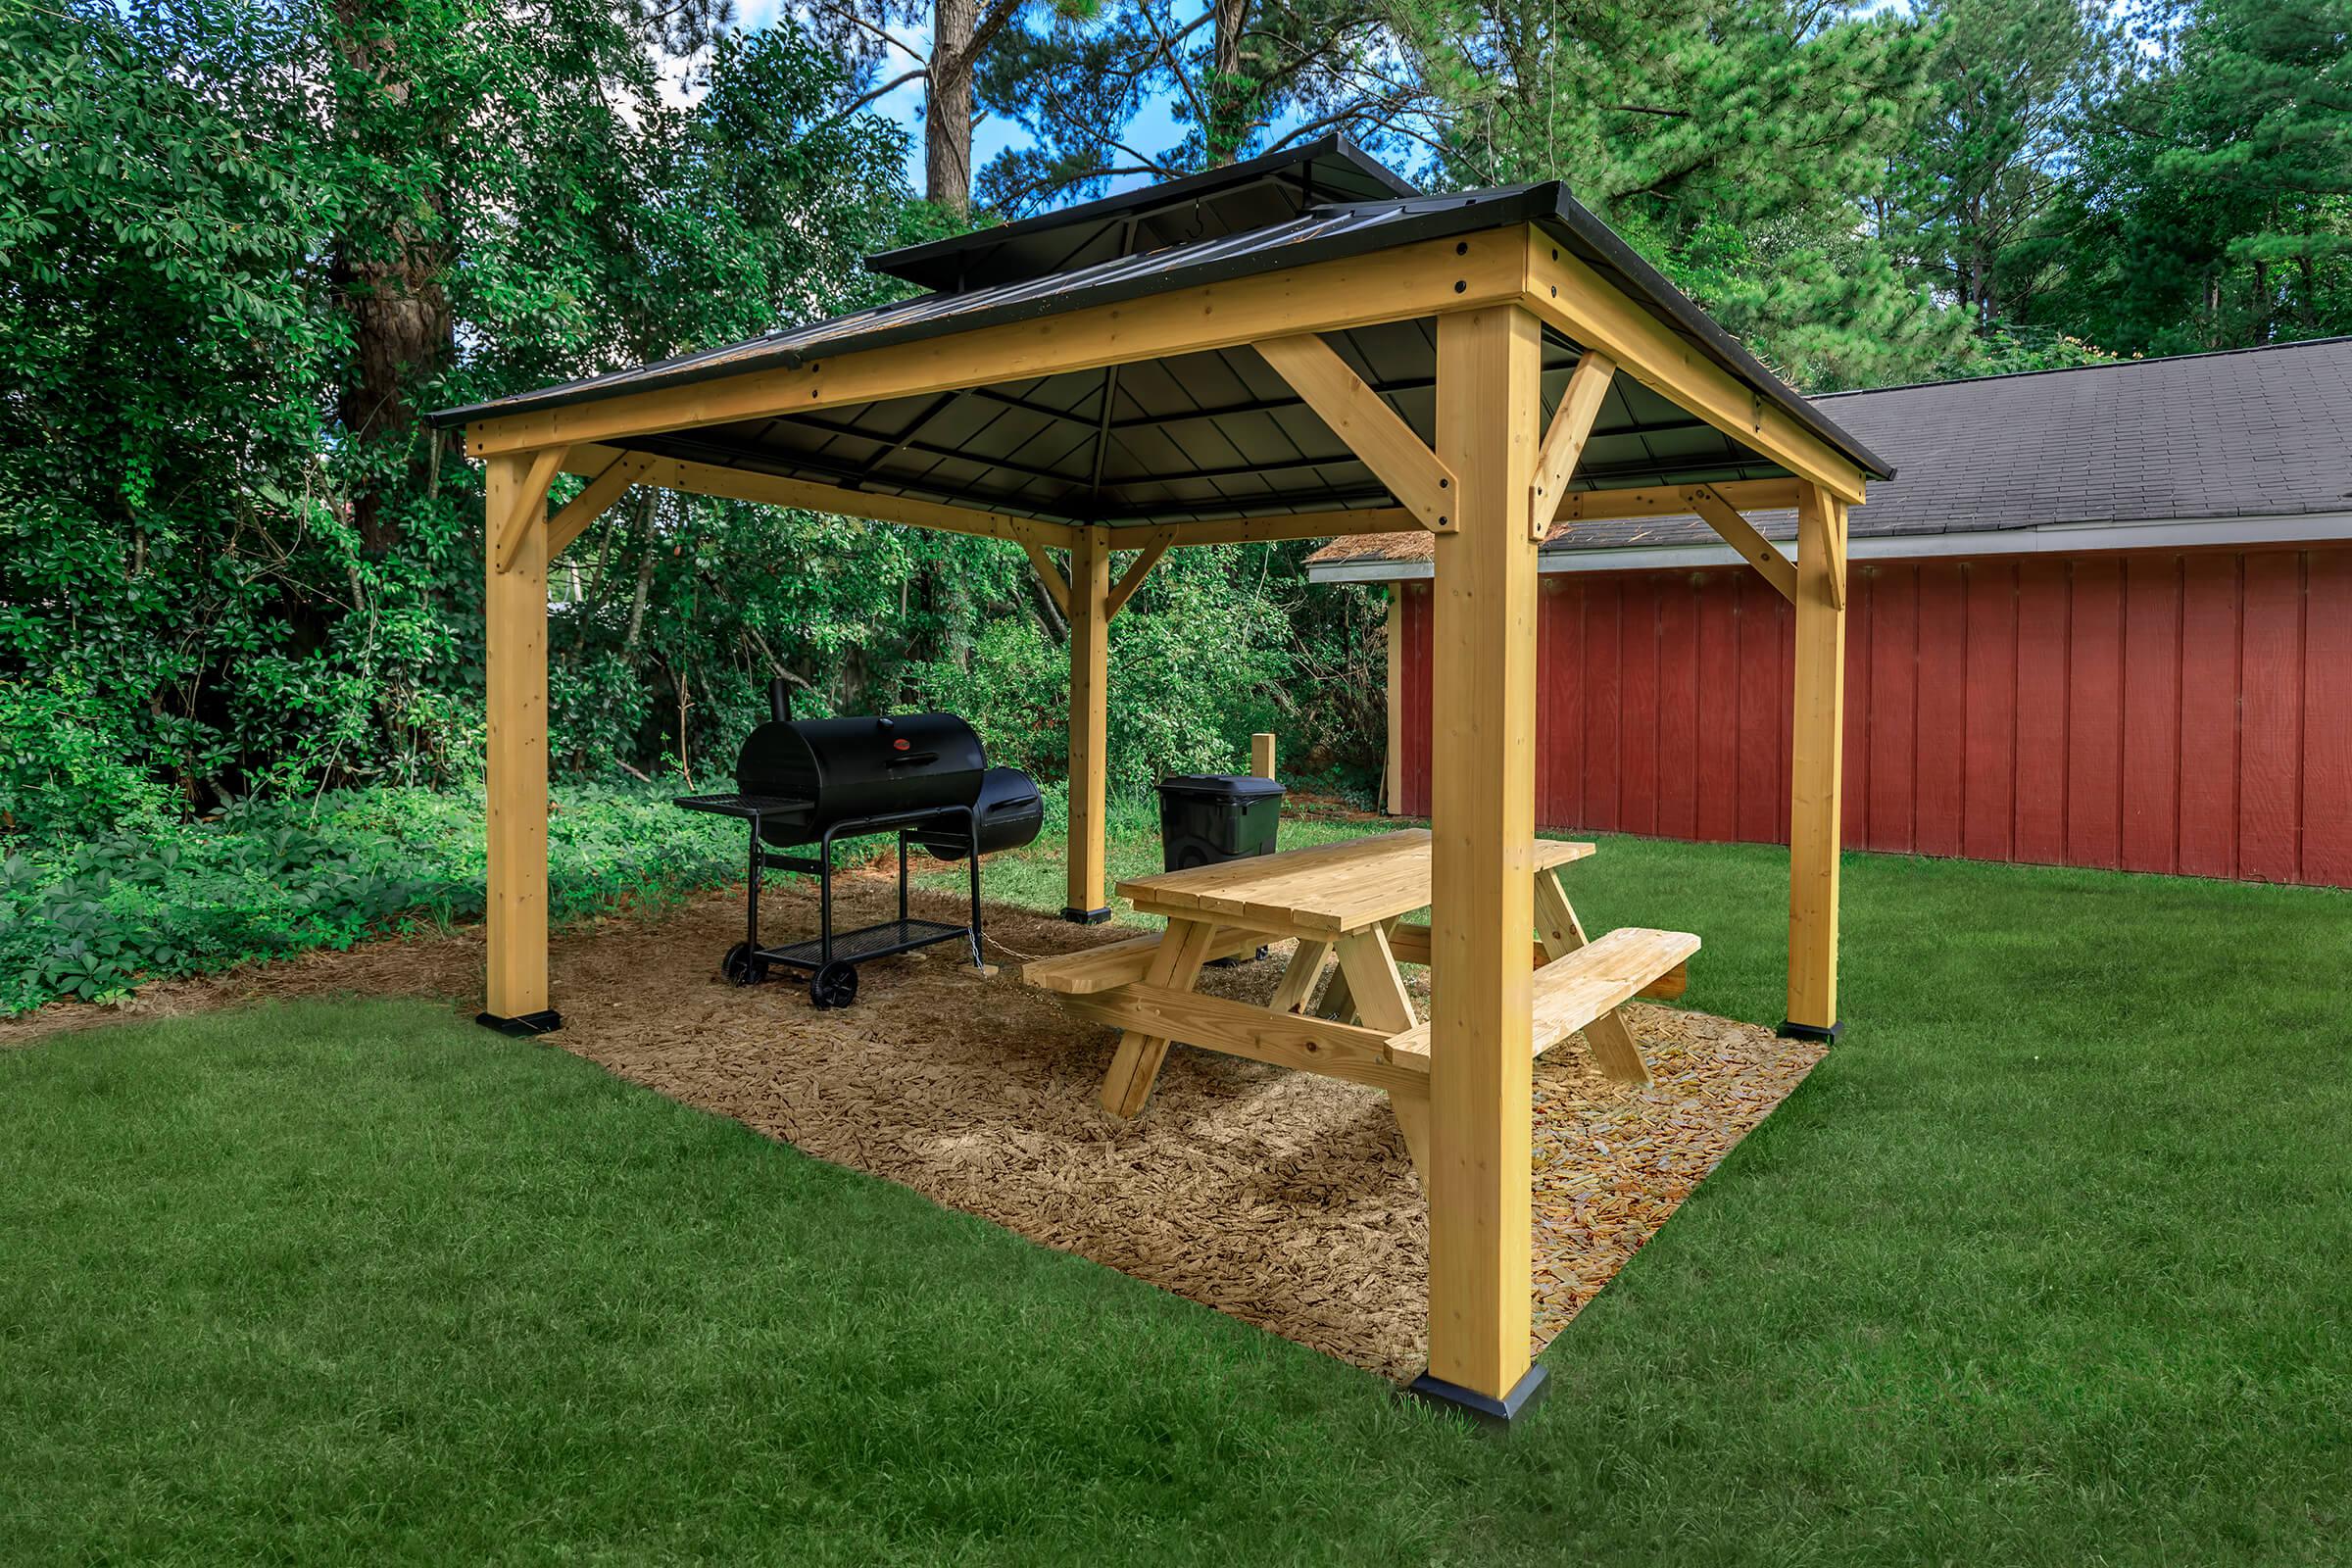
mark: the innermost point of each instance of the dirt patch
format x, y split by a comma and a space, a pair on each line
1283, 1198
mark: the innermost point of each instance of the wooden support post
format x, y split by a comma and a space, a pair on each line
1482, 881
1262, 756
1088, 609
1391, 778
515, 651
1816, 758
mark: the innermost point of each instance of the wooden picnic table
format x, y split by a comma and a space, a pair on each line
1343, 903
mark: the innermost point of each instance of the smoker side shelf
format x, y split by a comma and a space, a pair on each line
752, 806
877, 941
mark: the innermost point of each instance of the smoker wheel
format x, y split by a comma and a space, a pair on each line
742, 967
834, 986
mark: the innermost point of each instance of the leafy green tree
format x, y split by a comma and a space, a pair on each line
1733, 143
1986, 163
2213, 202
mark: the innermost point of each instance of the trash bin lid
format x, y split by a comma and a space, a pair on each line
1221, 786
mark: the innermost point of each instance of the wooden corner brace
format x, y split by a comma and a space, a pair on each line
1564, 442
1740, 534
1057, 585
1153, 548
573, 519
530, 502
1363, 419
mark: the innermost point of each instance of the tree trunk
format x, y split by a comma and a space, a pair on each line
1231, 99
948, 110
388, 271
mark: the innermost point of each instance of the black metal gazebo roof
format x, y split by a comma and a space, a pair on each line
1201, 435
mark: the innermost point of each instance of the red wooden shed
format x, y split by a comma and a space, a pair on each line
2101, 616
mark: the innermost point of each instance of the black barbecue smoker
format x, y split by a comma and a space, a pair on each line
811, 782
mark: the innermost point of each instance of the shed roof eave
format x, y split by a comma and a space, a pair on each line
2279, 530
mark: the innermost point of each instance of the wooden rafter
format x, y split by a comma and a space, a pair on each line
530, 499
1362, 418
1571, 427
1153, 548
1580, 303
573, 519
734, 484
1740, 534
1429, 278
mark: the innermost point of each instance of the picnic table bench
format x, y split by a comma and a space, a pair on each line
1343, 902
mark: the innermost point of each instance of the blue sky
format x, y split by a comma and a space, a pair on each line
1154, 130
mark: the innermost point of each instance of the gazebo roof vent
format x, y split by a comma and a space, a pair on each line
1259, 193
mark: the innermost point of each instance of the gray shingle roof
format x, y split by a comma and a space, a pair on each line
2248, 433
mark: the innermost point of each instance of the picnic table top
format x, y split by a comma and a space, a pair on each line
1332, 888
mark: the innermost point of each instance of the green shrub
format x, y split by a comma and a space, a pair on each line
92, 919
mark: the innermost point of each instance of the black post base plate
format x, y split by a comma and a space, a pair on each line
1086, 916
1810, 1031
530, 1023
1495, 1416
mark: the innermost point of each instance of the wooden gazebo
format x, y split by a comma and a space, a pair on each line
1298, 347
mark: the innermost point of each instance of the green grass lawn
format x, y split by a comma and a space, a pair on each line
2051, 1262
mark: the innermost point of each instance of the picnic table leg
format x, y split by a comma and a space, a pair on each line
1381, 1003
1337, 1004
1176, 965
1297, 985
1561, 933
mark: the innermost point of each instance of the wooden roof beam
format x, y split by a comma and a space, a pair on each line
733, 484
1288, 526
1429, 278
1573, 298
1674, 500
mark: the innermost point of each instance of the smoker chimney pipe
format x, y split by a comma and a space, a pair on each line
779, 700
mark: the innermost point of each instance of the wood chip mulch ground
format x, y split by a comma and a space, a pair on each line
1283, 1198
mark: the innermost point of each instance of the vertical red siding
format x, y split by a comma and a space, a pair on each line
1942, 755
2094, 754
1603, 678
1990, 710
2043, 635
1677, 706
2151, 713
1419, 616
1718, 709
2328, 719
1762, 813
2209, 676
1638, 718
1891, 735
2269, 767
2161, 712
